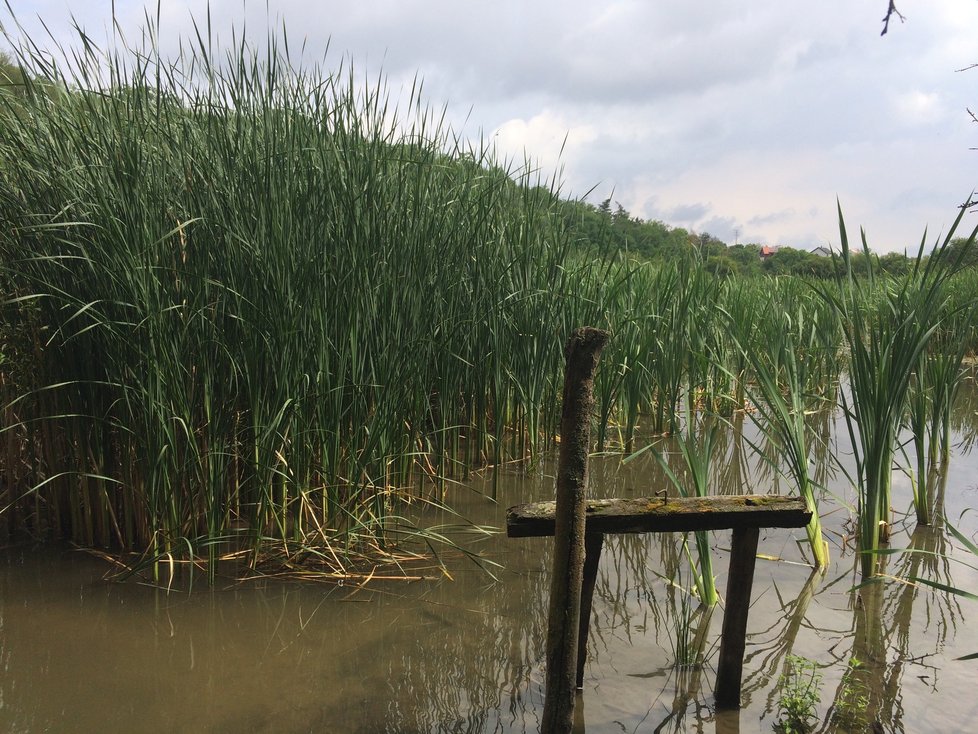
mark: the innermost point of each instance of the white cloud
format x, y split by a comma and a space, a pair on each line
919, 108
547, 139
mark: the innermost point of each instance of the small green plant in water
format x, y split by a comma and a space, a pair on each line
799, 686
852, 701
683, 613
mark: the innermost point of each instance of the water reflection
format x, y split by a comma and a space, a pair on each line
466, 655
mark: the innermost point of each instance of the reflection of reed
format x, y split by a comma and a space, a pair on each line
964, 415
477, 664
639, 596
731, 469
927, 557
687, 680
765, 660
824, 445
626, 589
884, 642
867, 665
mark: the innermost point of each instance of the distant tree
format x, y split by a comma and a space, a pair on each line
12, 77
747, 257
708, 245
609, 228
959, 247
786, 261
789, 261
819, 267
721, 265
894, 263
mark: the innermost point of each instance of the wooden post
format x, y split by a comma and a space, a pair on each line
581, 352
592, 554
733, 642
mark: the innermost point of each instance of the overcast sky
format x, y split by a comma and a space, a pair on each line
742, 119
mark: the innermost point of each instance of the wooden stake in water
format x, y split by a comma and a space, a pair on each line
581, 352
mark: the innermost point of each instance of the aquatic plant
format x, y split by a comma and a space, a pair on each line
266, 304
852, 699
884, 344
696, 442
799, 696
690, 624
780, 397
933, 390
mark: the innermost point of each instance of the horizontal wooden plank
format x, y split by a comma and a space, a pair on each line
671, 514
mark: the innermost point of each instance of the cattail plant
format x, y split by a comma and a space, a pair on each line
780, 396
884, 346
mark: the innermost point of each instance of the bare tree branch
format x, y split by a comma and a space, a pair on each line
891, 11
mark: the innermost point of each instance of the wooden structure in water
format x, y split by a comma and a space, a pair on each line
745, 515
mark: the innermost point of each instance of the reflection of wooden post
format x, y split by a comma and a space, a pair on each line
581, 353
592, 554
733, 642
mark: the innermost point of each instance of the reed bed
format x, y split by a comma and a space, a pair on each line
262, 302
256, 305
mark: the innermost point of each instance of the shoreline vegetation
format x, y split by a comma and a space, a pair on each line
264, 311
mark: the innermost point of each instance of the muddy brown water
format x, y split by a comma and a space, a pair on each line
81, 654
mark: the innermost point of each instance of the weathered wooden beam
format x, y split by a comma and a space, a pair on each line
673, 514
733, 639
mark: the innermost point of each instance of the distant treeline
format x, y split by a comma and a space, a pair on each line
609, 228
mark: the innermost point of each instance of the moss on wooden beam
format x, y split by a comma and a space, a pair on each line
665, 514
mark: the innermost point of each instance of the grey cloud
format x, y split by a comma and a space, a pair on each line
688, 212
723, 228
772, 217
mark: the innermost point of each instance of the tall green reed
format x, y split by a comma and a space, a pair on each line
884, 344
271, 302
781, 396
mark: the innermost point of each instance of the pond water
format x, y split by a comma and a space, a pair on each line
465, 654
